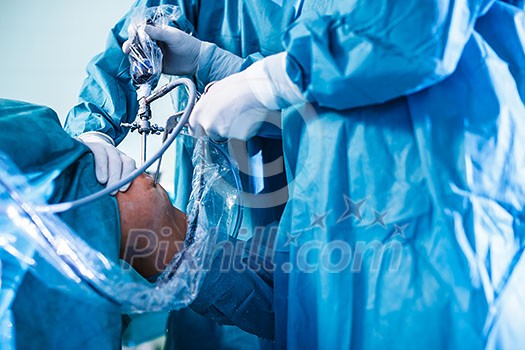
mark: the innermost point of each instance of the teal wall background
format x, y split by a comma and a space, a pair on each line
45, 46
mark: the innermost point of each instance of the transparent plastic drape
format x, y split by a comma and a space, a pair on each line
145, 56
51, 250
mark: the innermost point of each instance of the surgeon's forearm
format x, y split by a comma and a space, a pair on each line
107, 96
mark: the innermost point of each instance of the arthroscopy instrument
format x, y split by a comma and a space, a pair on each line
145, 69
175, 131
144, 75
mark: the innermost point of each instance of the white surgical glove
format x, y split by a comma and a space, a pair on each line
187, 55
111, 164
236, 106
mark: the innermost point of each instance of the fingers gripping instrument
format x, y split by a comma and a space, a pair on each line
145, 59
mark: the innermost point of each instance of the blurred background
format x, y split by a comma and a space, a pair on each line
46, 45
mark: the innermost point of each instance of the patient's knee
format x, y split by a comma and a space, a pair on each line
152, 230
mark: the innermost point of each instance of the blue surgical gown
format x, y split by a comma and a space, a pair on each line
47, 316
405, 176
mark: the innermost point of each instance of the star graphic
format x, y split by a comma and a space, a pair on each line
292, 239
319, 220
379, 219
352, 208
399, 230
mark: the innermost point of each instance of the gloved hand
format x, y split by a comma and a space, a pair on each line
236, 106
111, 165
187, 55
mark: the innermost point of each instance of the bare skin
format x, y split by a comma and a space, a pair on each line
152, 229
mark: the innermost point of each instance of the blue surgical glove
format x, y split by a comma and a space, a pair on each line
111, 164
187, 55
237, 106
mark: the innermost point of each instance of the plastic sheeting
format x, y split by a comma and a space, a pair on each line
145, 56
42, 242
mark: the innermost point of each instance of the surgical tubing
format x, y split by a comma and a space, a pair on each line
190, 86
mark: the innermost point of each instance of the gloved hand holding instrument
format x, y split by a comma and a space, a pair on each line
239, 102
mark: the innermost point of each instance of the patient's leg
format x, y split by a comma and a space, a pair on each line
32, 137
152, 230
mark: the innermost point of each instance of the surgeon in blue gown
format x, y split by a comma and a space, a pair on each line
402, 139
